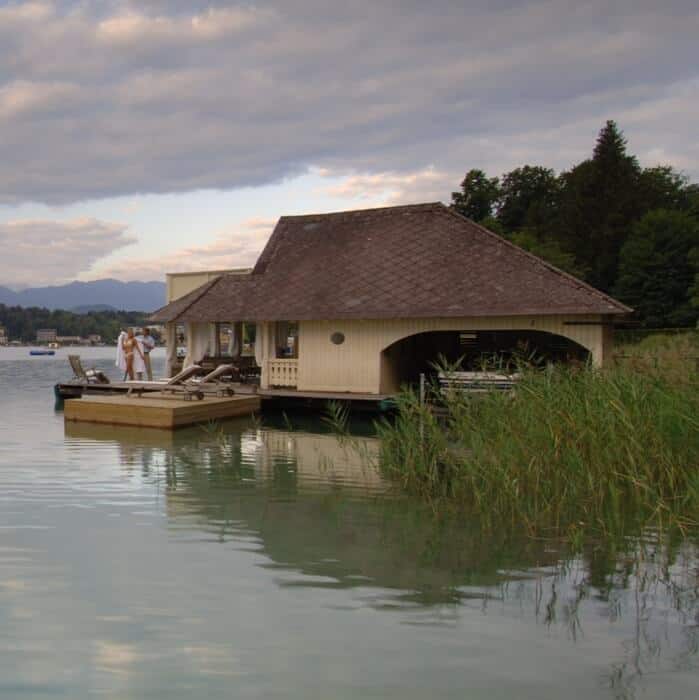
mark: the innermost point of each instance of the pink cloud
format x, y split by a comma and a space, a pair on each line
231, 249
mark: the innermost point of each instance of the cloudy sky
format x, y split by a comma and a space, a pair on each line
150, 136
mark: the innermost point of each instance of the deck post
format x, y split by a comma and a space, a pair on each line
262, 351
171, 347
601, 349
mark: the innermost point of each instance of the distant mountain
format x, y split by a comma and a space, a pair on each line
124, 296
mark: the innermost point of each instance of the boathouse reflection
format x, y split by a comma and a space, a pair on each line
322, 517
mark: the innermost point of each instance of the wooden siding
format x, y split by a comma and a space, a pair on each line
355, 365
150, 412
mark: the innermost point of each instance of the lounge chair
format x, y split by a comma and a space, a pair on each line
177, 384
89, 376
211, 382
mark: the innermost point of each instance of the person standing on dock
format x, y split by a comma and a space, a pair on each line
147, 344
133, 354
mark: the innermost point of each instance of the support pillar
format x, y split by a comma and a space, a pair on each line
171, 348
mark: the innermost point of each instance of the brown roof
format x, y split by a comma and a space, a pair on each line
174, 309
414, 261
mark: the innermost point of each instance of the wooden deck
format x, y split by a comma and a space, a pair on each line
76, 389
156, 410
70, 390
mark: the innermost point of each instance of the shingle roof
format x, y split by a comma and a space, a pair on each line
174, 309
415, 261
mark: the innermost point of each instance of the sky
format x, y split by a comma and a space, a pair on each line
152, 136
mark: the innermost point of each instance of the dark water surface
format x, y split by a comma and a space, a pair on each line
264, 562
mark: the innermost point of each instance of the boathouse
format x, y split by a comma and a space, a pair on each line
360, 302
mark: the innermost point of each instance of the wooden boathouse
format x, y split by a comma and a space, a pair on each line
357, 303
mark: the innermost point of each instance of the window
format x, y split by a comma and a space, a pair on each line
287, 339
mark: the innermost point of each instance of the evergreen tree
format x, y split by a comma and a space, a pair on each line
600, 203
584, 219
656, 273
477, 197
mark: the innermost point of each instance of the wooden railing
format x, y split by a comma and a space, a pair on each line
282, 372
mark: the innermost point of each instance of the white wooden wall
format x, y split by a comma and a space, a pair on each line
355, 365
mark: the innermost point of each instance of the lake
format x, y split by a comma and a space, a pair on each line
266, 558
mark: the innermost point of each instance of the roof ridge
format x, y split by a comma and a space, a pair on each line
370, 210
557, 270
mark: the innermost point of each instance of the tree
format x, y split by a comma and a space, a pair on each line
600, 202
548, 250
662, 187
492, 224
22, 323
528, 198
477, 197
656, 273
694, 289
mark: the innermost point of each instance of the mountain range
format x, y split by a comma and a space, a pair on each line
99, 295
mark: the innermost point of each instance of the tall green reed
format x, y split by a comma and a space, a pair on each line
570, 451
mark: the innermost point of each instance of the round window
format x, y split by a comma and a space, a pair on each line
337, 338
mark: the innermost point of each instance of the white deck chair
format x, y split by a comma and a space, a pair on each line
211, 382
176, 384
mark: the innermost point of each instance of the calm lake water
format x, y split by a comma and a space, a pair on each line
259, 561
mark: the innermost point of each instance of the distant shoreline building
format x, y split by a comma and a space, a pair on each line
3, 336
46, 335
71, 340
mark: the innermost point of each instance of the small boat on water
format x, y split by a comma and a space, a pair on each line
42, 352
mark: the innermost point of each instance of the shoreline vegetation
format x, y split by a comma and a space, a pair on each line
573, 452
21, 324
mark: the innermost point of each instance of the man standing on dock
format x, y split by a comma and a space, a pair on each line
147, 343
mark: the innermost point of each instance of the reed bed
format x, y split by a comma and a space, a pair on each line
674, 355
571, 451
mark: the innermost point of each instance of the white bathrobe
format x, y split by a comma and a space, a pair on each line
120, 359
139, 364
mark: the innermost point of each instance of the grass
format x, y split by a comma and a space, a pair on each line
571, 452
674, 355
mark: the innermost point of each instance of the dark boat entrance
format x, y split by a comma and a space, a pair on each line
404, 361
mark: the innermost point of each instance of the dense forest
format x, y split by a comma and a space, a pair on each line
632, 232
22, 323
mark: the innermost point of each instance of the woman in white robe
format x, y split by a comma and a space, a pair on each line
120, 357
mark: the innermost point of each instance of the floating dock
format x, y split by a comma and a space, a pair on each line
157, 410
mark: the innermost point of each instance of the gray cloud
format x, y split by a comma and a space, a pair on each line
116, 98
43, 252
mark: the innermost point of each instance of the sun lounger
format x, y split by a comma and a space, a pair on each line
89, 376
211, 382
177, 384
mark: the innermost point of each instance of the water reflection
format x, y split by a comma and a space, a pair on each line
289, 460
266, 562
317, 517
